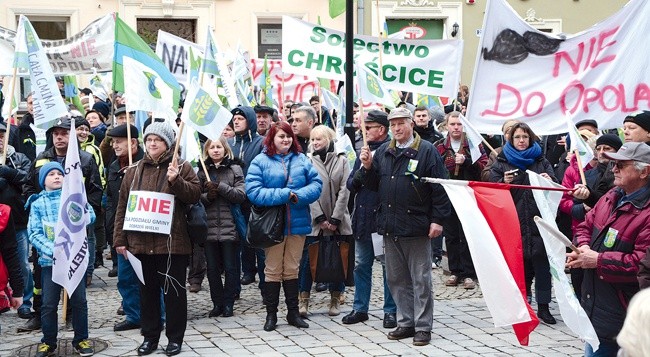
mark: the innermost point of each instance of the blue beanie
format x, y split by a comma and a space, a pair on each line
45, 169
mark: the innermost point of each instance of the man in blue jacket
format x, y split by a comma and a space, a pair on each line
410, 213
247, 144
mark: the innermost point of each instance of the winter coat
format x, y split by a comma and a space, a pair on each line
113, 183
332, 205
13, 273
22, 137
12, 179
644, 271
267, 185
366, 201
407, 205
90, 147
43, 215
607, 289
230, 177
149, 175
467, 170
248, 145
571, 178
523, 199
92, 181
429, 133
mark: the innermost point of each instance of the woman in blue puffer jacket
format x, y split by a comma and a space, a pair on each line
281, 174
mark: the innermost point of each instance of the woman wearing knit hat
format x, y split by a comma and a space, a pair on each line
636, 127
164, 257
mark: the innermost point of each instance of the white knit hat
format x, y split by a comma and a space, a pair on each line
163, 130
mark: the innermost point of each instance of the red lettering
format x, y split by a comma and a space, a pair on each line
90, 45
144, 204
495, 111
542, 100
75, 52
565, 55
565, 93
591, 95
641, 93
611, 98
602, 37
618, 98
164, 206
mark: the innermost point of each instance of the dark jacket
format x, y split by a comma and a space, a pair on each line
468, 170
429, 133
22, 137
147, 176
523, 198
230, 178
247, 145
9, 254
113, 184
644, 271
607, 289
13, 175
92, 180
366, 202
407, 206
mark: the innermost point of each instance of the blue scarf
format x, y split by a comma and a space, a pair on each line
524, 158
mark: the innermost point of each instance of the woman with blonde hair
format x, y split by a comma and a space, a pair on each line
224, 188
634, 338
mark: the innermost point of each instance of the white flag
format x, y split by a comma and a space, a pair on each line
372, 89
573, 314
145, 90
474, 138
584, 150
203, 113
70, 243
48, 102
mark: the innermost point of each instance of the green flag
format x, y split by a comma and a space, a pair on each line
71, 92
337, 7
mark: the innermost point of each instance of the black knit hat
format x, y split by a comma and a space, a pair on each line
610, 139
641, 119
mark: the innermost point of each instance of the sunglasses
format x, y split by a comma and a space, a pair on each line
621, 164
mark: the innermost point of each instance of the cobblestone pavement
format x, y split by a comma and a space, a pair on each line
462, 327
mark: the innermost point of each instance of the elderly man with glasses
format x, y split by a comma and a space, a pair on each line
612, 241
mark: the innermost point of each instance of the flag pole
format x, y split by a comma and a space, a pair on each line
128, 136
3, 159
496, 185
178, 142
462, 140
362, 122
64, 315
556, 234
580, 168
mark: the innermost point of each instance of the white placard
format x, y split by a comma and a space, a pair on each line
136, 264
148, 211
378, 244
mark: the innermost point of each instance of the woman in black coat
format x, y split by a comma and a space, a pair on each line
520, 153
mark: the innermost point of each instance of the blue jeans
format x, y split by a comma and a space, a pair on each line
22, 238
607, 348
128, 285
304, 272
49, 317
221, 257
92, 242
364, 258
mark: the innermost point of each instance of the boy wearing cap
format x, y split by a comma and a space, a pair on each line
612, 241
410, 213
43, 215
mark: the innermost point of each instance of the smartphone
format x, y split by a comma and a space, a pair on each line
514, 172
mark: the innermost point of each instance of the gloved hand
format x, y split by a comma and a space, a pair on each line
8, 173
212, 190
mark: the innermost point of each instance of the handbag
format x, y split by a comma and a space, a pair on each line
197, 223
329, 259
266, 223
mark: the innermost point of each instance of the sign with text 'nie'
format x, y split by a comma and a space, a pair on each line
148, 211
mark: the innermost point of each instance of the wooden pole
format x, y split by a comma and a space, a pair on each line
462, 140
128, 137
178, 142
3, 159
362, 123
580, 168
64, 315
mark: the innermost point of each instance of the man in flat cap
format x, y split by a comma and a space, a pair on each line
410, 213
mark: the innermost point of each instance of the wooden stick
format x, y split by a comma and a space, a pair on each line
496, 185
362, 123
128, 137
3, 159
580, 168
178, 142
462, 140
205, 169
64, 315
556, 234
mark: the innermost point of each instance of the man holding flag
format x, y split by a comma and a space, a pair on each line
612, 241
409, 214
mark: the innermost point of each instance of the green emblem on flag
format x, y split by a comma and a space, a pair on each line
204, 109
373, 86
151, 78
133, 199
75, 212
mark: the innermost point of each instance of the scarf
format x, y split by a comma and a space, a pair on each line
524, 158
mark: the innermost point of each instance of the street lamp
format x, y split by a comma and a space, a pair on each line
455, 28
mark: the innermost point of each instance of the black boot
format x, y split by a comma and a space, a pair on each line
271, 298
291, 298
544, 314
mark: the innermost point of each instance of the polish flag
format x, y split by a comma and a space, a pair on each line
491, 227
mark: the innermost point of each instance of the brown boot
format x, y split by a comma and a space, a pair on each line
334, 303
303, 304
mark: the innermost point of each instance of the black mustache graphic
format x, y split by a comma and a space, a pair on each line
511, 48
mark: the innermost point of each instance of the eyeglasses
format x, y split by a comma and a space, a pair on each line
368, 127
154, 140
622, 164
521, 137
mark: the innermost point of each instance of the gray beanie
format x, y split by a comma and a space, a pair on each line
163, 130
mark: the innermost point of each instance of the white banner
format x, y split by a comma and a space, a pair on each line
148, 211
298, 88
175, 54
420, 66
539, 78
92, 47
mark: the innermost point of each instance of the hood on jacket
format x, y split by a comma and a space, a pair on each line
251, 118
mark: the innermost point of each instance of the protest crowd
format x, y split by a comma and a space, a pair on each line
269, 191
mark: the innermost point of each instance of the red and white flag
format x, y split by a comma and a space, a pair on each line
491, 226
